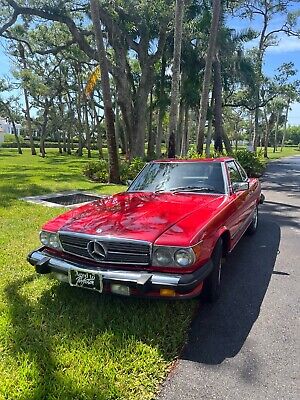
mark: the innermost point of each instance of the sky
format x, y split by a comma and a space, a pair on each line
287, 50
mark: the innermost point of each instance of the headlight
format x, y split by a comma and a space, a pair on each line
44, 238
162, 256
184, 257
54, 241
50, 239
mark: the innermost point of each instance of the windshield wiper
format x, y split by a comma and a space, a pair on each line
194, 189
188, 189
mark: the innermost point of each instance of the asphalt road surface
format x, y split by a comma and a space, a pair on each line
246, 346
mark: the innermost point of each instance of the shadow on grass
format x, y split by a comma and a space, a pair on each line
10, 154
103, 327
10, 193
220, 330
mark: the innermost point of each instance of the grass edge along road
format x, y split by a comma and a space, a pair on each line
58, 342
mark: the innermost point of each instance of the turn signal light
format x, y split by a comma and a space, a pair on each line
167, 292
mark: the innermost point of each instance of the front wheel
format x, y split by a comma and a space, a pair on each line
253, 226
212, 284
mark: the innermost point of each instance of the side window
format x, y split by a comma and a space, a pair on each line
234, 173
242, 171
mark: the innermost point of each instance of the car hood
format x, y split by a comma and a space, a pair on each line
142, 216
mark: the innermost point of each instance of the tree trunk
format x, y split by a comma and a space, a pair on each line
180, 128
151, 137
117, 124
44, 127
220, 134
87, 129
210, 124
214, 28
140, 111
185, 135
28, 123
276, 132
179, 12
79, 124
114, 173
227, 143
256, 122
285, 124
27, 108
14, 128
60, 150
269, 126
218, 119
162, 105
98, 129
64, 141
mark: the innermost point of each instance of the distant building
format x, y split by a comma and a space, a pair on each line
6, 127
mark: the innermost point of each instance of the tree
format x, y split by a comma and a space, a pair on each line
10, 110
179, 12
207, 73
27, 107
268, 11
114, 173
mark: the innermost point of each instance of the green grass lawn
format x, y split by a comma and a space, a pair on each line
58, 342
286, 152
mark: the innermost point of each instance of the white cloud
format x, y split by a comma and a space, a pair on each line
286, 45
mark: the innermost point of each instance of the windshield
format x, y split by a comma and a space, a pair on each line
179, 177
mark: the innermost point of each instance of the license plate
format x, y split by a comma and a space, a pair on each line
85, 279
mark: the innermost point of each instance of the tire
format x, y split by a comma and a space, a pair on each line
212, 284
253, 226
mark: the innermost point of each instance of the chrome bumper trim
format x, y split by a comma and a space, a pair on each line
58, 265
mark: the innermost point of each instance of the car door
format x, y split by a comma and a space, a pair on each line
253, 189
238, 219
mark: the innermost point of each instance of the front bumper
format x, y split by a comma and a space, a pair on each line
141, 283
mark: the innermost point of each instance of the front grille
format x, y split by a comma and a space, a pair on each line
117, 251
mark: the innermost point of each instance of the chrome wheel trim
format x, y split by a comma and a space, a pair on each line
255, 218
219, 272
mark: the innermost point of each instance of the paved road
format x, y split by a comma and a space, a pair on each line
246, 346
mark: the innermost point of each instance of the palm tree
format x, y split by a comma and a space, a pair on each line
214, 28
179, 12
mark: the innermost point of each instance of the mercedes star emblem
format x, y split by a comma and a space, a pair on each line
96, 250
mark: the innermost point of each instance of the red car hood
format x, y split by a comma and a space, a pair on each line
143, 216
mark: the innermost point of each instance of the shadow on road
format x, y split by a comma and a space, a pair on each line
220, 330
282, 176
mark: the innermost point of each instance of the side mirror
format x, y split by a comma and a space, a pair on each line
240, 186
129, 182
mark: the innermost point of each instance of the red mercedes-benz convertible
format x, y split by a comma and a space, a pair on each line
165, 236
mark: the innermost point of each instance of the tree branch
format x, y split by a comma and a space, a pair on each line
114, 29
77, 35
244, 104
9, 23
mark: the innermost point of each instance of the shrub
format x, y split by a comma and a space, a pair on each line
253, 163
9, 137
129, 170
96, 170
26, 144
192, 153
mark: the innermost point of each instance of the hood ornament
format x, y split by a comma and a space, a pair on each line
96, 250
